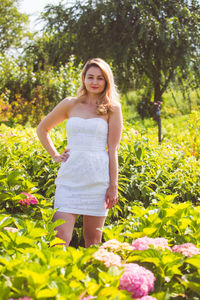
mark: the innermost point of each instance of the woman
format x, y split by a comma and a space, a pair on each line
87, 181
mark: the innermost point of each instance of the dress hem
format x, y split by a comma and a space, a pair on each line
78, 212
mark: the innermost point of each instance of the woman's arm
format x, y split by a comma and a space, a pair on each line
56, 116
114, 136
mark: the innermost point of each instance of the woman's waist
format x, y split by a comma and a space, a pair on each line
89, 148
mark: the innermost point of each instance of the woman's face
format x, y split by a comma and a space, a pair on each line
94, 80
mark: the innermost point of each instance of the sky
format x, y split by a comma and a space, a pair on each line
33, 9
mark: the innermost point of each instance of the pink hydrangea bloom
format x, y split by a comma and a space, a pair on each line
137, 280
112, 244
116, 245
109, 259
24, 298
29, 200
11, 134
187, 249
10, 229
89, 297
143, 243
127, 246
146, 298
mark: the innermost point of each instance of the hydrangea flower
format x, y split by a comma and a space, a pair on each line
116, 245
146, 298
127, 246
187, 249
10, 229
89, 297
29, 200
24, 298
112, 244
11, 134
109, 259
137, 280
143, 243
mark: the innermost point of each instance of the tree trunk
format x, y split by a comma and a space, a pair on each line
157, 105
157, 92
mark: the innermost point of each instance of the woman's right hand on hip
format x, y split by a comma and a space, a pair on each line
62, 157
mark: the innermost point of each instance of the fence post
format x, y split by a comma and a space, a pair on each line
143, 107
158, 103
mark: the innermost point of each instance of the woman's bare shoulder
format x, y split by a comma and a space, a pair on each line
69, 101
117, 106
116, 110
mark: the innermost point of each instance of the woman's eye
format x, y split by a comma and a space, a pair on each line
100, 78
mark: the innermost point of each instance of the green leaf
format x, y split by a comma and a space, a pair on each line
149, 231
194, 286
5, 221
195, 261
23, 241
56, 242
47, 293
112, 293
37, 232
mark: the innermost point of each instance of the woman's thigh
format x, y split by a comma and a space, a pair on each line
65, 230
92, 225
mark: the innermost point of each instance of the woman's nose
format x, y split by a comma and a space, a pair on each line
94, 80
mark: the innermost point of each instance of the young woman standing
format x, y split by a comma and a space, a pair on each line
87, 181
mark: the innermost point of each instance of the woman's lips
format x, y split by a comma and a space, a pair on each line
94, 87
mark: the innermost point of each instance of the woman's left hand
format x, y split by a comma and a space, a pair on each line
111, 196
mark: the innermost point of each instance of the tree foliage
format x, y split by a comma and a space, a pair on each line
145, 40
12, 24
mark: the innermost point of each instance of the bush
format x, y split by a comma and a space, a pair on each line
152, 179
169, 168
26, 96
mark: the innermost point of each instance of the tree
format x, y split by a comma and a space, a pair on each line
147, 40
12, 24
166, 37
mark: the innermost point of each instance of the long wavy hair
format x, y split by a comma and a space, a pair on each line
110, 96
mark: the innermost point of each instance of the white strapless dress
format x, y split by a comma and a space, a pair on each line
83, 179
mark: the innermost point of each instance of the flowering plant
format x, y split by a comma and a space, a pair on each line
29, 200
116, 245
88, 297
187, 249
145, 242
137, 280
109, 259
10, 229
24, 298
147, 298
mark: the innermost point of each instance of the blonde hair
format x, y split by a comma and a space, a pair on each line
110, 96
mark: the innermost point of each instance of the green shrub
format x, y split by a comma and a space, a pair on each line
158, 197
169, 168
27, 96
